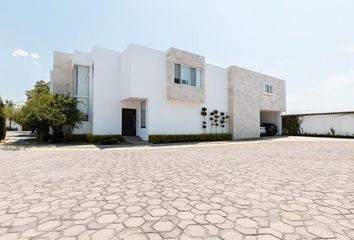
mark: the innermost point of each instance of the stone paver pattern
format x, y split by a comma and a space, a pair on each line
291, 188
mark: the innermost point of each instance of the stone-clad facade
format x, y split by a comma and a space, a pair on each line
179, 91
247, 100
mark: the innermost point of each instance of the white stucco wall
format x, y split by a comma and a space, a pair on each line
106, 106
343, 124
147, 71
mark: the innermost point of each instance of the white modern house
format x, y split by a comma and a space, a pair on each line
142, 91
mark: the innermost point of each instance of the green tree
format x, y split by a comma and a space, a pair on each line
63, 112
2, 121
44, 111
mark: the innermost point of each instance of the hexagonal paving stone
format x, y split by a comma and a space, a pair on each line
9, 236
134, 222
82, 215
291, 216
133, 209
246, 223
158, 212
231, 235
215, 218
163, 226
24, 221
74, 230
103, 234
49, 225
282, 227
195, 231
185, 215
107, 218
137, 236
267, 237
320, 231
203, 206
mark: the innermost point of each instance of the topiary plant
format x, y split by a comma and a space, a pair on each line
211, 118
222, 121
204, 113
216, 120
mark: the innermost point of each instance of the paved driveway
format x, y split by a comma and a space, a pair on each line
289, 188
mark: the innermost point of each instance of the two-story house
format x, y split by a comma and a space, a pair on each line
143, 91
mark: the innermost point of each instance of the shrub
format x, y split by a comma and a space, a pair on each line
189, 138
104, 139
291, 125
76, 138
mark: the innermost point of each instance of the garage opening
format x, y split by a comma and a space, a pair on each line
270, 122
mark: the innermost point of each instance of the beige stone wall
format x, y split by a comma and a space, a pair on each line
62, 74
180, 91
247, 99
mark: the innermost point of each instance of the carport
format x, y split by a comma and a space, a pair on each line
271, 117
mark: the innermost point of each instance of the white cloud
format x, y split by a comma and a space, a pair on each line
34, 56
19, 53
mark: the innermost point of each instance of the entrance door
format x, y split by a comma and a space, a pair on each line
128, 122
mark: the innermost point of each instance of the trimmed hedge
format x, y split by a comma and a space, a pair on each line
190, 138
76, 138
319, 135
104, 139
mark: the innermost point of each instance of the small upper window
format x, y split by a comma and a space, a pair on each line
188, 75
268, 88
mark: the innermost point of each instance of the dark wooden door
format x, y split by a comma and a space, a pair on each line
128, 122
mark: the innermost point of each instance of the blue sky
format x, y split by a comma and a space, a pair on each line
310, 44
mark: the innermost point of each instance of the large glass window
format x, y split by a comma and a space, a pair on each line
143, 114
188, 75
82, 90
82, 81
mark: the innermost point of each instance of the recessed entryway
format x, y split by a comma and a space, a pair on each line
128, 122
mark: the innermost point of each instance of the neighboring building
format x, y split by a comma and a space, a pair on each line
143, 91
339, 123
14, 125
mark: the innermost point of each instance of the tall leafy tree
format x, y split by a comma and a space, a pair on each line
44, 111
2, 121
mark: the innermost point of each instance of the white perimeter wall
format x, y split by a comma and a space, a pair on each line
148, 80
343, 124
